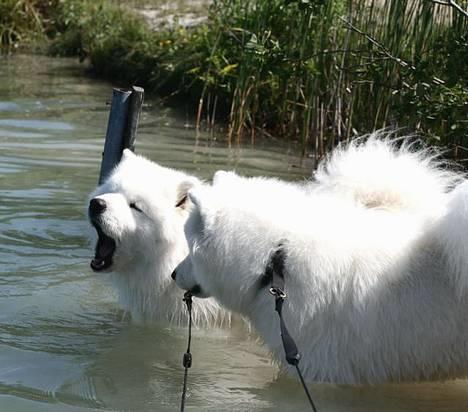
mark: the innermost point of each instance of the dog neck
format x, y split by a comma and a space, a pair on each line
149, 294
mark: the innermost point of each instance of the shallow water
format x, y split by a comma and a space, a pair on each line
64, 345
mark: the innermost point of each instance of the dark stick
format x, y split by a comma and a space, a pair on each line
115, 130
121, 128
134, 110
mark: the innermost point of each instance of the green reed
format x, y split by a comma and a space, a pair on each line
317, 71
20, 21
324, 71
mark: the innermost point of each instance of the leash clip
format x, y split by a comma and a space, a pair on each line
187, 360
188, 300
277, 292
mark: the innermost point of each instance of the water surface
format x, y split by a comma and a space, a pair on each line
64, 344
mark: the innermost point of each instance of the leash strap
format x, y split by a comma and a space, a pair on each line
275, 268
187, 359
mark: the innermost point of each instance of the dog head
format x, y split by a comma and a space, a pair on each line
230, 237
138, 211
196, 264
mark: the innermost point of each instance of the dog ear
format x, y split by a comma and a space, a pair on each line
195, 197
182, 191
127, 154
205, 206
202, 198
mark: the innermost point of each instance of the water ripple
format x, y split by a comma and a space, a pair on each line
36, 124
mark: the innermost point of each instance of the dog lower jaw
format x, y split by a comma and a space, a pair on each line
100, 264
104, 251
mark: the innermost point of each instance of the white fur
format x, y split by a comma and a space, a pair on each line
376, 269
152, 243
377, 171
452, 232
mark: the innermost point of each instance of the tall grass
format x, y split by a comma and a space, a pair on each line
318, 71
20, 21
324, 71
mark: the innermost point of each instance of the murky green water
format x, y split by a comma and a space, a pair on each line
63, 343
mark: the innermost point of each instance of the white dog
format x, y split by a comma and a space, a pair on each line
376, 263
139, 213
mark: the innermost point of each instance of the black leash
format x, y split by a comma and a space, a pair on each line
275, 269
187, 360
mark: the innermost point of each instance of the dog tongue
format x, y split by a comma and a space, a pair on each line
105, 248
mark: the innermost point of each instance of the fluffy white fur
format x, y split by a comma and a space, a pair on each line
375, 172
150, 243
376, 263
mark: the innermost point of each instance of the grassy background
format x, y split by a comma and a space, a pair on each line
320, 71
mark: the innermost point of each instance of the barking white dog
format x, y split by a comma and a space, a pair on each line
376, 263
139, 213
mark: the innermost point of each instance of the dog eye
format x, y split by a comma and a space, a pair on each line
134, 206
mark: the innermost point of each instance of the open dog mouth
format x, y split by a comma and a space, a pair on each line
105, 248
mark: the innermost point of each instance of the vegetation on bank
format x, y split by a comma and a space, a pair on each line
21, 22
313, 70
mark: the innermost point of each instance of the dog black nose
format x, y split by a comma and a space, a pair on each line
96, 206
173, 275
